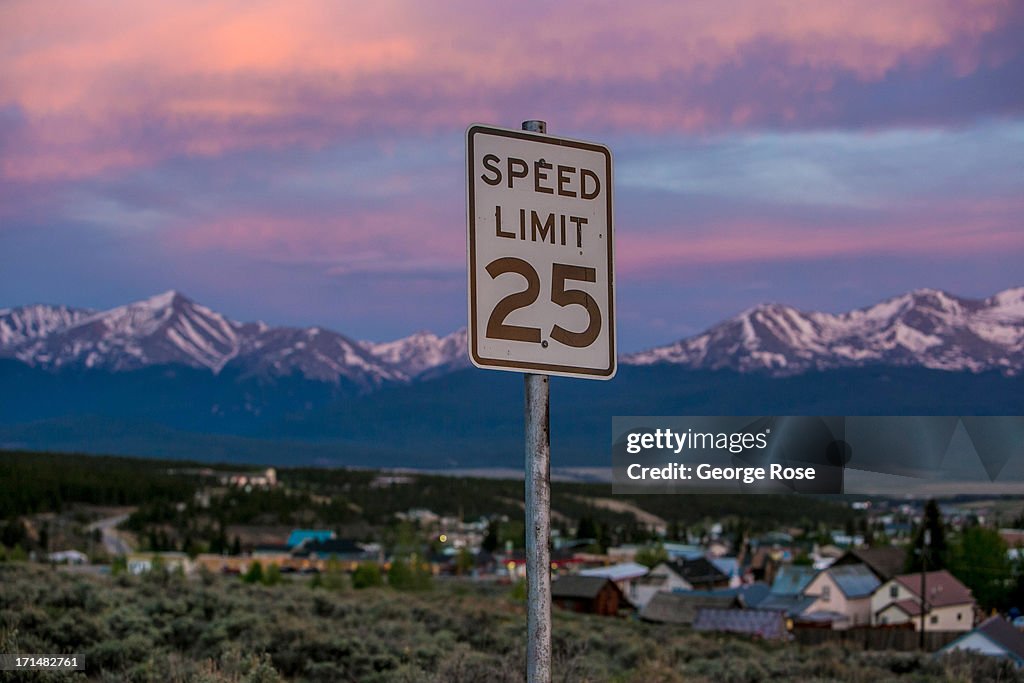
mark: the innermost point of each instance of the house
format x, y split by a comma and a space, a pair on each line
948, 605
68, 557
678, 575
766, 624
141, 563
729, 566
681, 608
845, 593
994, 637
623, 574
1014, 538
342, 550
682, 551
589, 594
700, 573
662, 578
267, 479
765, 563
885, 562
787, 590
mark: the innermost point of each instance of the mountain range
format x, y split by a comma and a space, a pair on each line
169, 376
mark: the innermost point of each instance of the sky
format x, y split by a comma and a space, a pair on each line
303, 162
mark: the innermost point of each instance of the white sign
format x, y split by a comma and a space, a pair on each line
541, 276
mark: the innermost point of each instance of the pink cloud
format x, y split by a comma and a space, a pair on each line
384, 241
104, 85
643, 254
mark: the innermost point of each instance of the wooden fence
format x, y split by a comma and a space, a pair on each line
884, 638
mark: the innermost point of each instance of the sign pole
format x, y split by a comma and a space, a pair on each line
538, 515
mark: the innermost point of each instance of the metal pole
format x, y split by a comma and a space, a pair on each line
538, 516
926, 539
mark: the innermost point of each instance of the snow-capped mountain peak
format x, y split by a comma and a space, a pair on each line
172, 329
423, 352
924, 327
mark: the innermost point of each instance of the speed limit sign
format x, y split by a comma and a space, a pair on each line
541, 276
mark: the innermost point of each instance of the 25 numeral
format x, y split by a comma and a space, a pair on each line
560, 273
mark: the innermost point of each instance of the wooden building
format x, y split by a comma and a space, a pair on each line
589, 594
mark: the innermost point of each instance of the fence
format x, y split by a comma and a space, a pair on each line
885, 638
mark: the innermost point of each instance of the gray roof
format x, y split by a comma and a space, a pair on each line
854, 580
885, 561
681, 608
575, 586
752, 622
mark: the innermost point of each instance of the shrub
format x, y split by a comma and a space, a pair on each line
254, 573
272, 576
367, 575
410, 575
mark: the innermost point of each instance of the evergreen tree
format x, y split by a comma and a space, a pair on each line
586, 528
981, 561
934, 530
490, 542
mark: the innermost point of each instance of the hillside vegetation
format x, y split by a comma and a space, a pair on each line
218, 629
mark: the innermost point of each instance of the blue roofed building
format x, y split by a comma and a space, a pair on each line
299, 536
843, 592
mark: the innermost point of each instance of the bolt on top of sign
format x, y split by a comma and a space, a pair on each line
541, 276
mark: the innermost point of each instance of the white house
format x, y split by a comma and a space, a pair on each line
662, 578
948, 604
994, 637
624, 575
68, 557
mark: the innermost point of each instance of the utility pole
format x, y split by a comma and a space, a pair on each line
926, 539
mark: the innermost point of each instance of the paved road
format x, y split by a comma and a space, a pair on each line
112, 540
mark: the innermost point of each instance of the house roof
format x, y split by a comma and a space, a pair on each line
617, 572
942, 587
298, 536
575, 586
792, 579
681, 608
885, 561
854, 580
729, 566
753, 622
791, 605
908, 606
1000, 632
750, 595
697, 571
